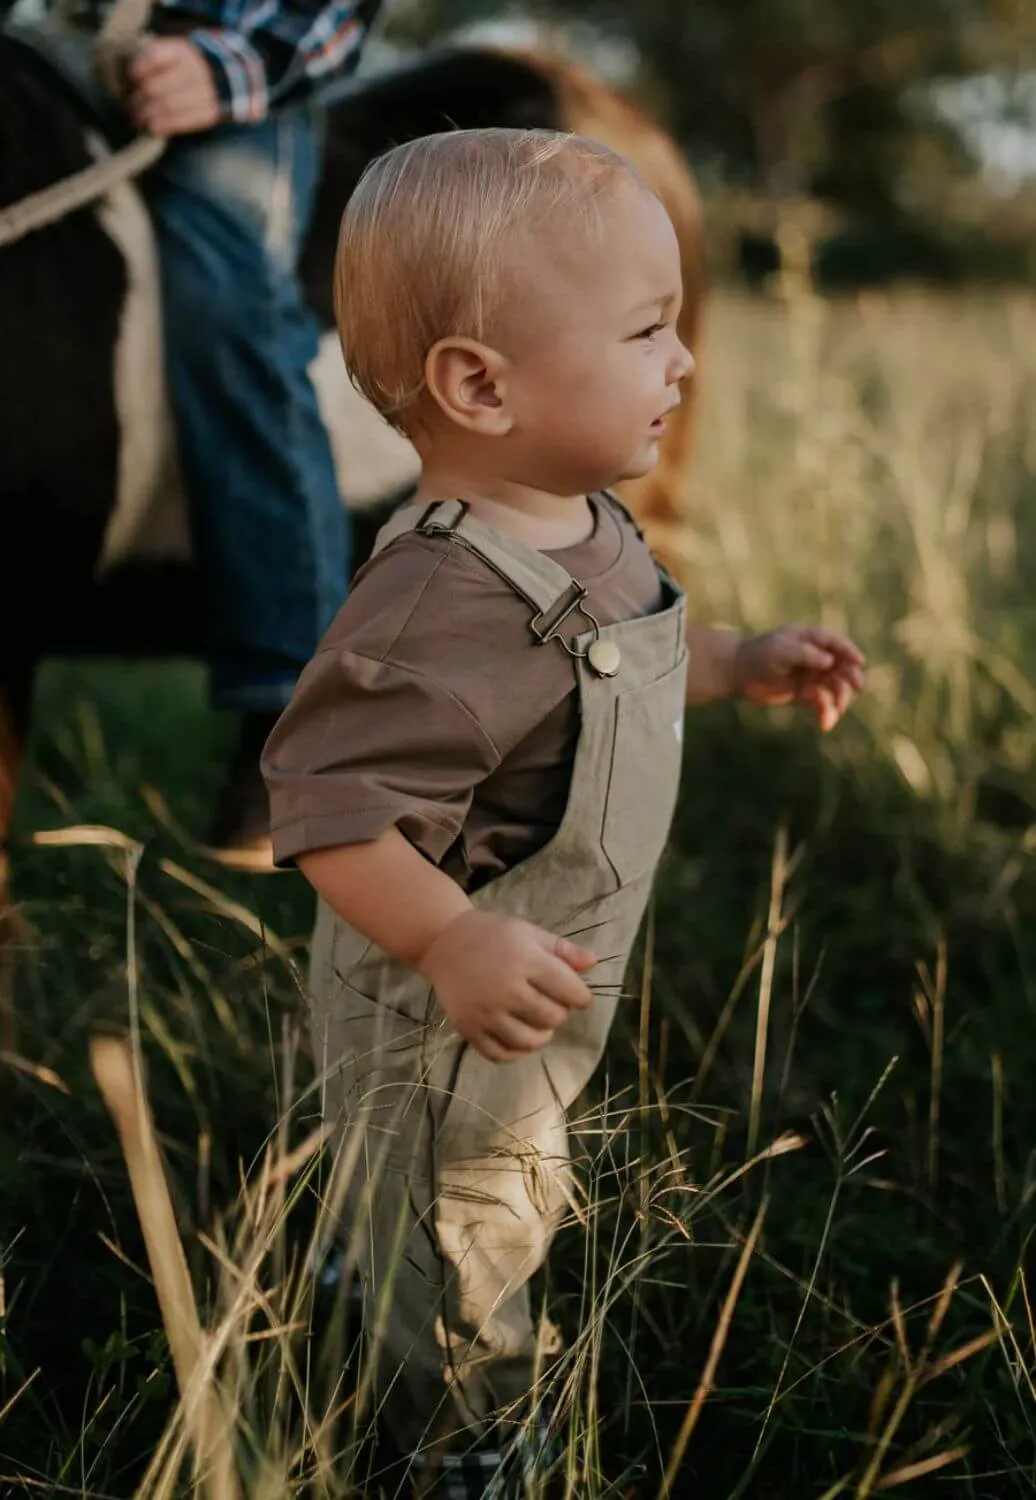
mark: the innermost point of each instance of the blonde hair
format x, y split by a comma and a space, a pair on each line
429, 231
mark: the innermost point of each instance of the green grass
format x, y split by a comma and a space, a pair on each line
810, 1196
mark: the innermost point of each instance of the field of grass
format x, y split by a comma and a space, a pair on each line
810, 1162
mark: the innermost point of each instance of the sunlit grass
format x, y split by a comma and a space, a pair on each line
796, 1262
869, 464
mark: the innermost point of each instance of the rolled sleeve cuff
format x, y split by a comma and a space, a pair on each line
361, 826
240, 74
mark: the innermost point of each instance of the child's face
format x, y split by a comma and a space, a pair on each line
595, 362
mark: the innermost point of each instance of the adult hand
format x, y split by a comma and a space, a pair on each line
172, 88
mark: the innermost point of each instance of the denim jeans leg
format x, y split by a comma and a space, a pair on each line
271, 533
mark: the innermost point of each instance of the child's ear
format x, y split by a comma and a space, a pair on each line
467, 381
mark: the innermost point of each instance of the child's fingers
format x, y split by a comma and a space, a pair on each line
540, 1011
557, 980
844, 692
494, 1051
802, 655
841, 687
838, 646
515, 1036
580, 959
825, 705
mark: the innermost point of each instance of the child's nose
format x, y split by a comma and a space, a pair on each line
683, 363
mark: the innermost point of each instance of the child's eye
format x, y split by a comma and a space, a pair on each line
647, 333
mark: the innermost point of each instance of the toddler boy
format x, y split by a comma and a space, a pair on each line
478, 770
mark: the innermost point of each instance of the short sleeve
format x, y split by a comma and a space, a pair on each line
425, 683
369, 745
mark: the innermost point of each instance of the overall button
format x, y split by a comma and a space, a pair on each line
604, 657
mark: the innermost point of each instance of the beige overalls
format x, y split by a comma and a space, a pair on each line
459, 1167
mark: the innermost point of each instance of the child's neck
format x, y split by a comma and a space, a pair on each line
538, 518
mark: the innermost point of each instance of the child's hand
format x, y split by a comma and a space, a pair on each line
505, 984
798, 664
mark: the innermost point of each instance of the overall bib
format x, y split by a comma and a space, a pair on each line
458, 1168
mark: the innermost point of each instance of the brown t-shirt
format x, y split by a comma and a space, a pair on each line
430, 707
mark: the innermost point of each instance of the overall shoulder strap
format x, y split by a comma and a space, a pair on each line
541, 582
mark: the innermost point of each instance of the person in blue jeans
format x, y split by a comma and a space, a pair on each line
230, 83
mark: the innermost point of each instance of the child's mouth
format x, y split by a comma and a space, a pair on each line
658, 426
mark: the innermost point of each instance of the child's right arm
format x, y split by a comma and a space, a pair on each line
505, 984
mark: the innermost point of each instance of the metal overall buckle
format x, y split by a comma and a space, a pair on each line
428, 527
602, 656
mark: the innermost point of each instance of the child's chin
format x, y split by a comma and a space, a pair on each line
641, 463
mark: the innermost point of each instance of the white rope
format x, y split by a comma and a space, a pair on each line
116, 42
38, 210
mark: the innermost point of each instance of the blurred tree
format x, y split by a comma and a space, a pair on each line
793, 98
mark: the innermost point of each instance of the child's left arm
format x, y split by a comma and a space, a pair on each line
794, 664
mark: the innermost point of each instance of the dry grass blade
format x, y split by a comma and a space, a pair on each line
914, 1374
121, 1256
719, 1339
960, 1354
999, 1171
778, 880
838, 1488
643, 1075
233, 910
938, 998
923, 1467
880, 1399
942, 1304
1030, 1323
112, 1064
39, 1071
1006, 1337
97, 835
789, 1140
288, 1165
13, 1400
160, 810
900, 1330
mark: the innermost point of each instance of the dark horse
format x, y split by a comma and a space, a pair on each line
62, 294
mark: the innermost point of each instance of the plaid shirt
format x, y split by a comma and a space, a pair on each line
268, 52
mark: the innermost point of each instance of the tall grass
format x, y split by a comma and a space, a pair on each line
868, 464
796, 1264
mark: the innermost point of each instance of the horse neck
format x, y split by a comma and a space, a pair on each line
42, 136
